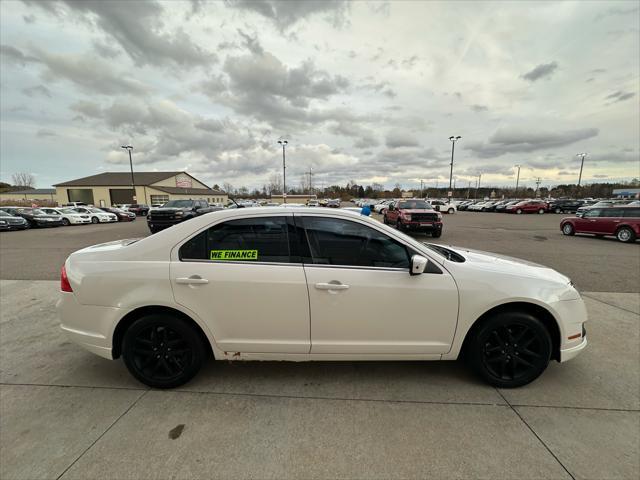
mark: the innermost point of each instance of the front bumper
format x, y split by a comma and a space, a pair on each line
570, 352
422, 225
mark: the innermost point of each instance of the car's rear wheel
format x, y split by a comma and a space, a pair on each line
162, 351
625, 234
519, 211
568, 229
451, 211
541, 211
94, 220
558, 210
510, 349
66, 222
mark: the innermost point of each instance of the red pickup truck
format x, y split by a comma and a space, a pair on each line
414, 215
620, 222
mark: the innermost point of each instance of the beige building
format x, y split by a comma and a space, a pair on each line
109, 188
293, 198
31, 195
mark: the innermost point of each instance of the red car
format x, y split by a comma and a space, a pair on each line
620, 222
414, 215
528, 206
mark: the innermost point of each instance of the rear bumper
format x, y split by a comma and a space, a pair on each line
89, 326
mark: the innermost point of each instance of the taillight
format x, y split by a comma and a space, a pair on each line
65, 286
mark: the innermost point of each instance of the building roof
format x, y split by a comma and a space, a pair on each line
33, 191
119, 179
188, 191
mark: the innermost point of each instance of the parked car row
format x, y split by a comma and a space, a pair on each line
380, 206
21, 218
520, 206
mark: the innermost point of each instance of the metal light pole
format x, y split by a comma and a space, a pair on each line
421, 189
133, 182
284, 171
453, 147
517, 180
478, 184
581, 155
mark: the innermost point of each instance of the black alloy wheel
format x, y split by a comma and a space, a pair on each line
511, 349
162, 351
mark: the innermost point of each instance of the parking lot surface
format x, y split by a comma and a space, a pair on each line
65, 413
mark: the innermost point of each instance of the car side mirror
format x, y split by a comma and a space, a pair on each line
418, 264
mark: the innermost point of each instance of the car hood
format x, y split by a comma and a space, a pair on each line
509, 265
168, 210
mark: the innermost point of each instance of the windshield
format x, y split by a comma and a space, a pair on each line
35, 211
96, 210
414, 204
178, 204
5, 213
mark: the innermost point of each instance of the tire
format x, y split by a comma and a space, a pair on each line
519, 211
399, 226
567, 229
94, 220
558, 210
541, 211
436, 233
162, 335
451, 211
66, 222
510, 349
626, 235
384, 220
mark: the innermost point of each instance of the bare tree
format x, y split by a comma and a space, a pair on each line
275, 184
228, 188
23, 179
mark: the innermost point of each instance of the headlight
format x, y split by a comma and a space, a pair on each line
2, 222
439, 216
407, 217
179, 214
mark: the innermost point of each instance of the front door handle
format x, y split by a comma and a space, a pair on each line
192, 280
332, 286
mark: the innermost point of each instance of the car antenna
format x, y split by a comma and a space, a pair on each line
233, 200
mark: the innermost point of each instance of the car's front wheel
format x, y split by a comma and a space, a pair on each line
436, 233
66, 222
567, 229
519, 211
510, 349
558, 210
451, 211
162, 351
94, 220
541, 211
626, 235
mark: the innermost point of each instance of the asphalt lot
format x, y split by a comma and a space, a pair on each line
594, 264
65, 413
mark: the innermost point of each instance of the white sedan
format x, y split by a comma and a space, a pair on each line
68, 214
306, 284
96, 215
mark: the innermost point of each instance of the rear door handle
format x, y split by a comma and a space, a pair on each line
331, 286
192, 280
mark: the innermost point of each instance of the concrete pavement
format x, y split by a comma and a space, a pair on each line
65, 413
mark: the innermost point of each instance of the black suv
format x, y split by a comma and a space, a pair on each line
175, 211
565, 206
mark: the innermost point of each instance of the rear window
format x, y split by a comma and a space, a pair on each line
631, 212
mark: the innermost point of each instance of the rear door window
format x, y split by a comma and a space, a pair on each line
264, 239
631, 212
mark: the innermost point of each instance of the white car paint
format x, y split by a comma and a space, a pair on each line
101, 215
69, 213
268, 311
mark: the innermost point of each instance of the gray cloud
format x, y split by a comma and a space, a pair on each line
620, 96
29, 18
616, 11
43, 132
13, 55
381, 87
285, 14
479, 108
105, 50
400, 138
37, 89
509, 139
140, 31
541, 71
365, 138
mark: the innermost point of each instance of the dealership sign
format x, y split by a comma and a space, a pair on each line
183, 181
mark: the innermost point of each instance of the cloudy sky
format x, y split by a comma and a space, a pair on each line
363, 91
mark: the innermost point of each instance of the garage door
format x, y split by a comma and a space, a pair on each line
121, 195
80, 195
